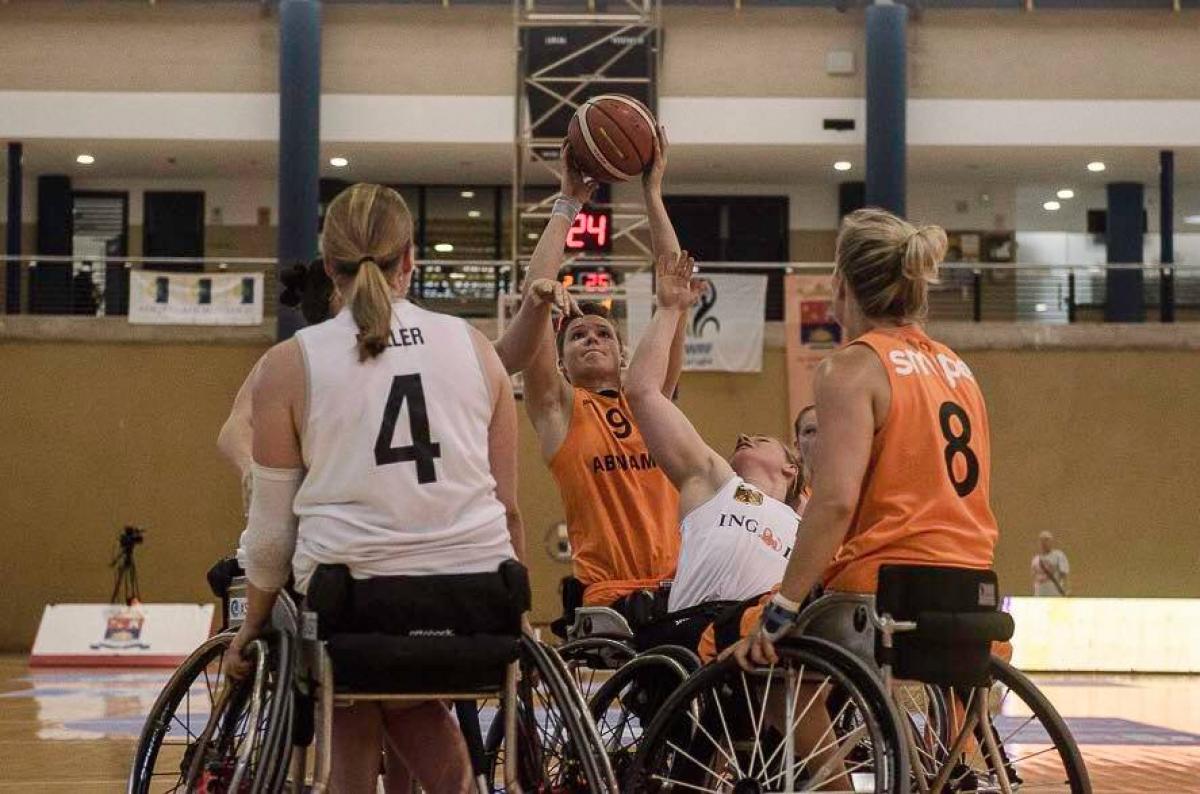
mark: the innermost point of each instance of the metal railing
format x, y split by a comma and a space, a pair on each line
979, 292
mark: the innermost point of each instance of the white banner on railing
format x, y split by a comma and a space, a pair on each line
195, 298
724, 330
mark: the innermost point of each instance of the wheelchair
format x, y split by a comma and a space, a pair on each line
627, 661
207, 734
900, 694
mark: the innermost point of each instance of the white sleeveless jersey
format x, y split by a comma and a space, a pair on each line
396, 449
735, 546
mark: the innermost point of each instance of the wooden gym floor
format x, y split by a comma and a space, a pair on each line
72, 731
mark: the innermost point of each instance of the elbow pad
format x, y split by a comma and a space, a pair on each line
270, 537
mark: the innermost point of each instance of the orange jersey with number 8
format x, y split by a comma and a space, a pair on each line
925, 496
622, 511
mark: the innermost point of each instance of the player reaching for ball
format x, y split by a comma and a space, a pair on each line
620, 507
738, 528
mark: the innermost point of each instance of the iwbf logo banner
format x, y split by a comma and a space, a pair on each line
724, 330
195, 298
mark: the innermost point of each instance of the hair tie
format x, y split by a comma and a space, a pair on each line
367, 258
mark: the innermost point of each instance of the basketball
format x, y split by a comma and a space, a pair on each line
611, 137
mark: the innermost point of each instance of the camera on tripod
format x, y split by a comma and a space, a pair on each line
125, 584
131, 537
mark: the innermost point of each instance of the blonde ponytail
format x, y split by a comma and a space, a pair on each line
370, 302
367, 235
888, 263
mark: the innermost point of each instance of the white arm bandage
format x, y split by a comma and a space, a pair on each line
270, 537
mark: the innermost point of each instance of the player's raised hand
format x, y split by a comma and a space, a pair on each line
547, 290
673, 281
574, 184
652, 178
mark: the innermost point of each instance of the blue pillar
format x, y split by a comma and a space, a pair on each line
1126, 228
887, 97
1166, 233
12, 234
299, 140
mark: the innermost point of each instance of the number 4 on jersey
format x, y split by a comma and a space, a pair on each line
422, 450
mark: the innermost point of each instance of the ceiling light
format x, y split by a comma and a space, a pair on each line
1051, 206
339, 162
1096, 166
1039, 307
468, 194
534, 235
85, 159
443, 248
1066, 193
1192, 220
474, 214
842, 165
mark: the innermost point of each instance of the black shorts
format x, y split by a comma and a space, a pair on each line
682, 627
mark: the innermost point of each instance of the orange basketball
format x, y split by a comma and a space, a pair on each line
611, 137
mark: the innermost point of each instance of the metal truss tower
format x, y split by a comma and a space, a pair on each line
567, 52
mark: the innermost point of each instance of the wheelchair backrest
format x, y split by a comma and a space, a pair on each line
957, 615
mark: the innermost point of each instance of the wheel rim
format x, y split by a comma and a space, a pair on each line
736, 746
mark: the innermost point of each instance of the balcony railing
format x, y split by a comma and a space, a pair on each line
1048, 294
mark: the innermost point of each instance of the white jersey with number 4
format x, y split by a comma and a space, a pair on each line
396, 447
735, 546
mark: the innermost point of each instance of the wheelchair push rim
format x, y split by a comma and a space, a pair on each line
737, 744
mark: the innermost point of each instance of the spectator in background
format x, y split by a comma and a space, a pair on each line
1049, 568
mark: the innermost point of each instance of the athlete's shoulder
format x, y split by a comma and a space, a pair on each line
851, 365
281, 369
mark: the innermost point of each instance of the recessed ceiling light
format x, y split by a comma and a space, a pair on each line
1051, 206
843, 165
1066, 193
1096, 166
534, 235
468, 194
85, 159
1039, 307
443, 248
474, 214
1192, 220
339, 162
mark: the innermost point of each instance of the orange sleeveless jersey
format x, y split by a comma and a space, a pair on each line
925, 497
622, 511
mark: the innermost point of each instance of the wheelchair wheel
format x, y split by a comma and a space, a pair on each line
590, 660
626, 703
205, 732
923, 707
776, 729
1034, 744
558, 749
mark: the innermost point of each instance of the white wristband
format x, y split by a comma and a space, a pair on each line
786, 603
566, 207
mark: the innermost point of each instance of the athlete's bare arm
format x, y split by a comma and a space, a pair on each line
277, 407
695, 470
852, 399
236, 436
548, 395
502, 439
663, 242
519, 344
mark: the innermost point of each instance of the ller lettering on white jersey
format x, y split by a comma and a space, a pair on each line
405, 337
914, 362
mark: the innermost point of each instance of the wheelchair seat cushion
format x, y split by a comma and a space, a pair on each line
385, 663
957, 615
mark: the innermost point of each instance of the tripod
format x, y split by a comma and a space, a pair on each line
125, 582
